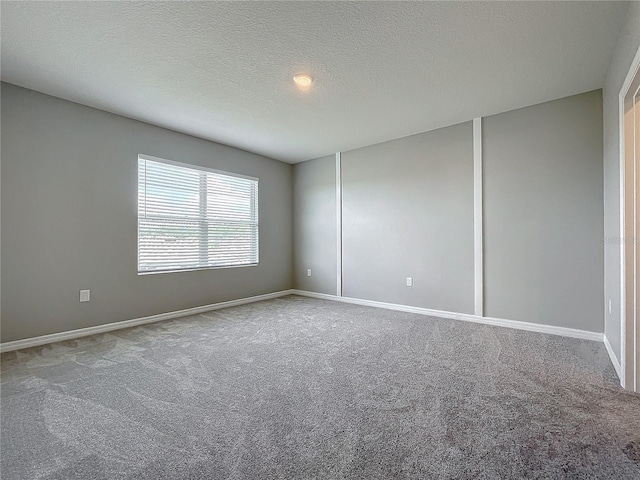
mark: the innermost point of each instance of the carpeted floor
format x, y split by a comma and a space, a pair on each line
299, 388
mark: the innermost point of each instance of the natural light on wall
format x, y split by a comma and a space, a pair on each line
191, 217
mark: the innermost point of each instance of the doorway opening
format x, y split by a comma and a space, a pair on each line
630, 225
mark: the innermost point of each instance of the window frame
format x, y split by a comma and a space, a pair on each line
197, 168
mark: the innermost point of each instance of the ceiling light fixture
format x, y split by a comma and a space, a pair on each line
303, 80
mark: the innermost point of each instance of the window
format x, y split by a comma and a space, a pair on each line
191, 217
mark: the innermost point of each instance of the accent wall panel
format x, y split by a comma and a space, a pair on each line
408, 212
543, 213
314, 225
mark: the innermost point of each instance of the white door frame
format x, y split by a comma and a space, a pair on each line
629, 230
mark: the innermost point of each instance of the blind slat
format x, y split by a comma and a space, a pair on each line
192, 218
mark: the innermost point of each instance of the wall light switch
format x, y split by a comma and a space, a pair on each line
609, 306
409, 281
85, 295
308, 272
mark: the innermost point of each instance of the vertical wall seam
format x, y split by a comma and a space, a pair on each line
477, 219
338, 224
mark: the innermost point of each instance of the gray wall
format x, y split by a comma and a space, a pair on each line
543, 213
69, 218
626, 48
408, 211
315, 236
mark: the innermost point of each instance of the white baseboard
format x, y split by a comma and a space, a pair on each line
499, 322
109, 327
613, 358
533, 327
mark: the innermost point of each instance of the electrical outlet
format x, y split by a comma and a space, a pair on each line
409, 281
308, 272
609, 306
85, 295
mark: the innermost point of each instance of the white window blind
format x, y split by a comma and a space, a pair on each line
190, 218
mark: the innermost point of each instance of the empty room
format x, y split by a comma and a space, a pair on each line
320, 240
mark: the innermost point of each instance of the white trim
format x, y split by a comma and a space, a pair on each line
635, 65
339, 224
477, 218
109, 327
636, 235
612, 357
623, 270
498, 322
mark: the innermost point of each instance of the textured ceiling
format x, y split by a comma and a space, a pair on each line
222, 71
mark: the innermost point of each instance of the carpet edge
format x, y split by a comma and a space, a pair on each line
109, 327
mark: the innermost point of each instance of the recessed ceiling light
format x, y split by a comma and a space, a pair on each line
303, 80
